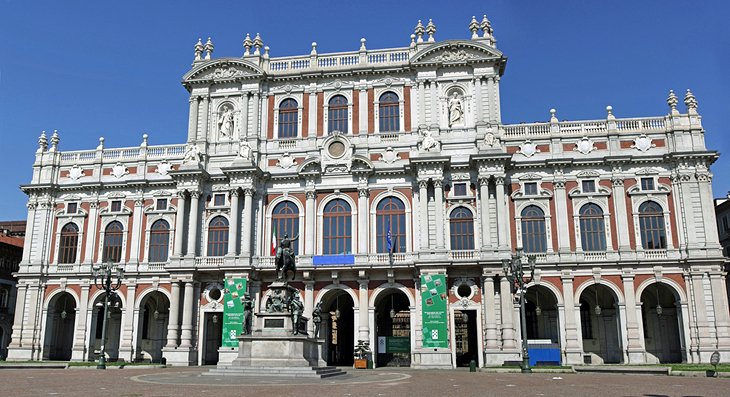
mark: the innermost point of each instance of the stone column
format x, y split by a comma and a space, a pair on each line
634, 347
18, 322
720, 307
179, 224
244, 115
256, 116
203, 132
309, 220
193, 224
137, 232
362, 220
562, 218
423, 212
91, 233
704, 185
233, 235
622, 216
174, 320
573, 352
186, 330
126, 337
477, 82
484, 210
29, 230
247, 221
502, 215
508, 330
79, 349
363, 332
489, 313
193, 120
309, 304
438, 193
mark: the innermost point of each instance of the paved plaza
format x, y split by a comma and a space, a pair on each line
383, 382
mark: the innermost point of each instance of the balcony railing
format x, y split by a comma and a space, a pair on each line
655, 254
209, 261
463, 254
131, 153
384, 259
586, 127
595, 256
386, 57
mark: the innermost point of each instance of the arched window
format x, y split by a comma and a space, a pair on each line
651, 224
288, 119
388, 112
69, 243
113, 238
285, 219
390, 215
337, 114
337, 228
461, 224
218, 236
534, 237
4, 294
159, 241
592, 228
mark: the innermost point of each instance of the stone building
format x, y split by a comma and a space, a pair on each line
11, 250
357, 153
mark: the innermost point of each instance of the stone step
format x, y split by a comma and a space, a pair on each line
296, 372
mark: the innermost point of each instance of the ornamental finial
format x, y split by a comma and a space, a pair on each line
258, 44
413, 40
101, 143
42, 142
54, 140
553, 118
474, 27
362, 44
247, 43
144, 140
419, 30
209, 48
430, 30
199, 50
609, 111
314, 48
486, 27
690, 101
672, 101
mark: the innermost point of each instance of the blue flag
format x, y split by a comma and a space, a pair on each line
389, 239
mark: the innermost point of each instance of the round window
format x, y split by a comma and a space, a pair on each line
336, 149
214, 294
463, 291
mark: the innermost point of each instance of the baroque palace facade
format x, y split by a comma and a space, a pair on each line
350, 153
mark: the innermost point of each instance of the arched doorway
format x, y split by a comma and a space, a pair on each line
113, 327
599, 318
338, 327
60, 323
661, 323
392, 329
152, 333
541, 312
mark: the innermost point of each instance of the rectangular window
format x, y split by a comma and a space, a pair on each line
460, 189
161, 204
219, 200
531, 189
116, 206
647, 183
71, 208
589, 186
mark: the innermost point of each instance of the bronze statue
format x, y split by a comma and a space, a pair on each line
247, 312
296, 307
285, 261
317, 318
276, 302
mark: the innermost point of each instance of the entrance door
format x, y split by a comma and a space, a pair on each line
609, 344
213, 337
465, 336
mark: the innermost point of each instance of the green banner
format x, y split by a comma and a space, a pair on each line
397, 344
434, 300
233, 310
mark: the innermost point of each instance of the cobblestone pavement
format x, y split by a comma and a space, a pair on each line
188, 382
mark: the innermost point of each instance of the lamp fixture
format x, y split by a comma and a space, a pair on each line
538, 309
63, 313
337, 309
392, 309
659, 308
156, 314
598, 307
215, 319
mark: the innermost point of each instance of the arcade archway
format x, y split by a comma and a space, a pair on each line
392, 329
152, 332
662, 323
599, 318
60, 323
113, 330
338, 327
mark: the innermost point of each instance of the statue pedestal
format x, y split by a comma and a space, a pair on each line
273, 350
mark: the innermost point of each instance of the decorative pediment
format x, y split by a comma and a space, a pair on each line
588, 174
312, 165
339, 84
456, 52
647, 171
222, 70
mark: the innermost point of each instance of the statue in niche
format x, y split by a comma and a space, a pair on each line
192, 154
226, 121
456, 110
244, 150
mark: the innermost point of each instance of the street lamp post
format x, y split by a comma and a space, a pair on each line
515, 273
103, 275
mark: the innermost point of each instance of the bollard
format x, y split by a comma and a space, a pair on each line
472, 366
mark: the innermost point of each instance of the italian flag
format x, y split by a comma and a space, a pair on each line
274, 241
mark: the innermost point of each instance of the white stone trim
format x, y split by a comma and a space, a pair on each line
373, 218
320, 220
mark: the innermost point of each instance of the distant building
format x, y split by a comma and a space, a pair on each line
357, 152
722, 212
11, 252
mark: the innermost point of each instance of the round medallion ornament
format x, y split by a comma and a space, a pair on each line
336, 149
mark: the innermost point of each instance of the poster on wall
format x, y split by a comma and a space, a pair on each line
434, 301
234, 290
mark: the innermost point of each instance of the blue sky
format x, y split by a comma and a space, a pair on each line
98, 68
